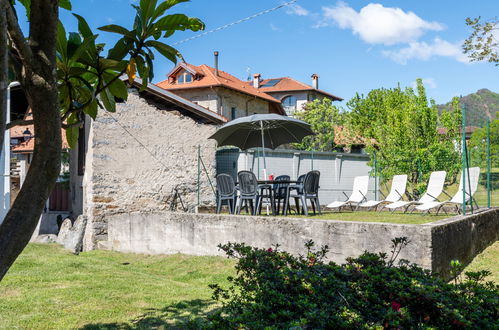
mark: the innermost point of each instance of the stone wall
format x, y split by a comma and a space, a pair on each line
432, 245
136, 157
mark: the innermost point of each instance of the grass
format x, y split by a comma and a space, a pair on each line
366, 216
49, 288
487, 260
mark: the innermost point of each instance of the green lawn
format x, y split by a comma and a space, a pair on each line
49, 288
366, 216
487, 260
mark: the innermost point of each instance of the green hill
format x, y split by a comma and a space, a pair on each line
480, 106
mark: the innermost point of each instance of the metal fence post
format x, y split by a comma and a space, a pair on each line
375, 177
463, 155
199, 173
488, 163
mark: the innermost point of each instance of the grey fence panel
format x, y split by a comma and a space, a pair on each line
338, 170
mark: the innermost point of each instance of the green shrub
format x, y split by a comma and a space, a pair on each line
275, 290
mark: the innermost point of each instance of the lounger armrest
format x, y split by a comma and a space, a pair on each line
446, 194
400, 195
345, 195
433, 197
384, 196
365, 198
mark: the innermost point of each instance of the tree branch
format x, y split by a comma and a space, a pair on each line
17, 36
20, 122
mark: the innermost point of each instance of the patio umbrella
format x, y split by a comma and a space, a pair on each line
261, 130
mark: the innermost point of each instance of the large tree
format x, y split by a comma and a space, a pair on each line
483, 42
324, 119
405, 133
65, 77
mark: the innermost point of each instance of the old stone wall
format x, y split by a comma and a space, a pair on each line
432, 246
137, 156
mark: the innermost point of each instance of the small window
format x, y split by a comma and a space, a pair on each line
289, 104
233, 113
184, 78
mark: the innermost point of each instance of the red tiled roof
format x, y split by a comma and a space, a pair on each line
287, 84
29, 146
209, 79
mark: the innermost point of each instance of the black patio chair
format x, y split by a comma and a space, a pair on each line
248, 191
298, 188
226, 191
280, 192
310, 190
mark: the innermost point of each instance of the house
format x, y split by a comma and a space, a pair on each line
219, 91
22, 145
292, 93
231, 97
134, 159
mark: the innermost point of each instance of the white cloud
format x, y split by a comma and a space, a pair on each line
427, 82
425, 51
377, 24
298, 10
273, 27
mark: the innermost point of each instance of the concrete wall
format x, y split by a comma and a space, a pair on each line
338, 170
222, 100
432, 245
136, 159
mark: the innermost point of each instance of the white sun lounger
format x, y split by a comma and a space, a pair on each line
359, 192
434, 189
399, 184
457, 200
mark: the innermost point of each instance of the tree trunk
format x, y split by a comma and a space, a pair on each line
40, 85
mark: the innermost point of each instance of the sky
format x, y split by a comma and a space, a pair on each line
354, 46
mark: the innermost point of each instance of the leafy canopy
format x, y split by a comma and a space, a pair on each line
401, 129
88, 80
483, 43
323, 117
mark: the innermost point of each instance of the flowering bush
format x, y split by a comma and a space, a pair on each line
273, 289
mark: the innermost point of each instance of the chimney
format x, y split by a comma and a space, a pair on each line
256, 80
216, 62
315, 81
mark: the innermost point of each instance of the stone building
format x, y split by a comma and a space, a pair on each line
292, 93
219, 91
133, 159
233, 98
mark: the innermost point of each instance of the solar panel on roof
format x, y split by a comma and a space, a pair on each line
271, 82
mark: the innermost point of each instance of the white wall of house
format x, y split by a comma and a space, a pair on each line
224, 100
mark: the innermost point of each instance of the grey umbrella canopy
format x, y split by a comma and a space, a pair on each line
246, 132
267, 130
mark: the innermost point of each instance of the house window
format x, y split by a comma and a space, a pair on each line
184, 78
233, 113
289, 104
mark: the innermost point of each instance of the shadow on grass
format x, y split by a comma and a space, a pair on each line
185, 314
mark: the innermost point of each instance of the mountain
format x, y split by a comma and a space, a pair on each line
480, 106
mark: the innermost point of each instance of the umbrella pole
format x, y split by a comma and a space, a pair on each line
263, 152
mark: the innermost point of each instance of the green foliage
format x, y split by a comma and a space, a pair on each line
478, 146
89, 81
324, 117
275, 290
480, 107
482, 44
400, 127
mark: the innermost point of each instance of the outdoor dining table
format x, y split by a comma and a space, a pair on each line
268, 184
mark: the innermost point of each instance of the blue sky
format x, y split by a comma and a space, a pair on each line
354, 46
